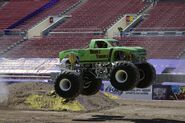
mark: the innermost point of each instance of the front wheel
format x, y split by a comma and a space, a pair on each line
68, 85
147, 75
124, 76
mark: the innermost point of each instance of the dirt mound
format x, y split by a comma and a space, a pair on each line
36, 96
97, 102
19, 92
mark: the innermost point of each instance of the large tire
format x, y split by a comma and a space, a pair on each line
91, 84
124, 76
68, 85
147, 75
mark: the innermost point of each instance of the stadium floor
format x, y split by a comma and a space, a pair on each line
128, 112
98, 109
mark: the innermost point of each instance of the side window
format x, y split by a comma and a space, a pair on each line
101, 44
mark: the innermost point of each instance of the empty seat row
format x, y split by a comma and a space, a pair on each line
169, 47
8, 40
15, 10
100, 13
49, 47
166, 15
58, 8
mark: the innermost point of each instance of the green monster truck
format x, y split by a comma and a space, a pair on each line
82, 70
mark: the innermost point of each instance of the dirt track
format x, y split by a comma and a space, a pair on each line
126, 112
98, 109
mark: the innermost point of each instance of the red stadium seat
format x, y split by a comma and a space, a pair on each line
166, 15
169, 47
17, 9
49, 47
99, 14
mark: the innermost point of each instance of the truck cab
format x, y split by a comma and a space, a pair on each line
103, 43
106, 50
117, 52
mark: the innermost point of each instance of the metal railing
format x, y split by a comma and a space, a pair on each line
13, 32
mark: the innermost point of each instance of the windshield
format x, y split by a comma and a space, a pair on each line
114, 43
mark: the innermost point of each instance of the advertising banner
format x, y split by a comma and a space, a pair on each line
136, 93
170, 91
161, 92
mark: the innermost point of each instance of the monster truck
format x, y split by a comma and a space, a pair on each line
82, 70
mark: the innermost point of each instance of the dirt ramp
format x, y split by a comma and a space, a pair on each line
18, 92
38, 96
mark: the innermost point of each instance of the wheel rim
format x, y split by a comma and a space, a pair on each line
121, 76
142, 74
65, 85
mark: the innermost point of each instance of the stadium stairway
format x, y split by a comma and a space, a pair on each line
15, 43
8, 42
94, 14
11, 46
181, 55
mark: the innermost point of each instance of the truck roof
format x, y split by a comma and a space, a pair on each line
105, 39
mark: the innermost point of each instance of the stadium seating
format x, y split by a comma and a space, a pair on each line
58, 8
17, 9
93, 15
99, 14
7, 40
166, 15
169, 47
50, 46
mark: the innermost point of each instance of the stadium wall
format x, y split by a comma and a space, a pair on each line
37, 30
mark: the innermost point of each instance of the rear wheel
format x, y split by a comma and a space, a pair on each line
68, 85
147, 75
91, 84
124, 76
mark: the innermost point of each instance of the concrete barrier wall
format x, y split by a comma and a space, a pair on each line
114, 29
36, 31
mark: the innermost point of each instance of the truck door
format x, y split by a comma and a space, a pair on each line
101, 51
